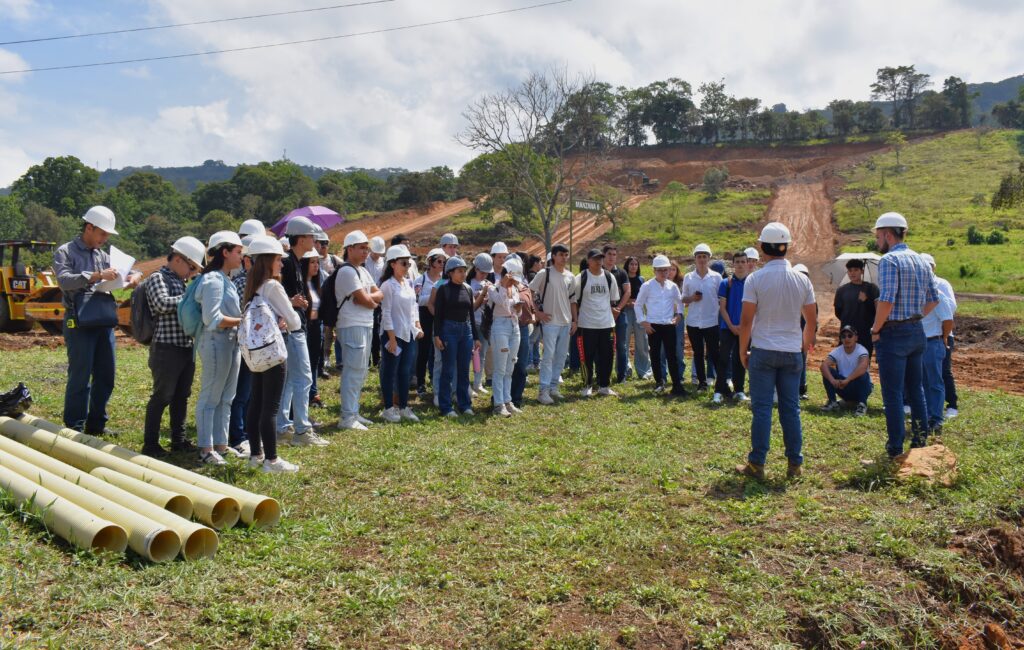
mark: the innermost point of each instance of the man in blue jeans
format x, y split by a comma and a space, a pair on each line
774, 297
357, 297
845, 373
906, 295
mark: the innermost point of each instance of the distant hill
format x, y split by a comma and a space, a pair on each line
991, 93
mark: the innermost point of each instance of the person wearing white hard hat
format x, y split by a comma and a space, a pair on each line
946, 289
658, 307
730, 311
938, 331
503, 298
237, 437
400, 330
449, 244
171, 360
555, 287
262, 285
357, 297
527, 321
424, 285
774, 298
907, 294
375, 265
217, 345
251, 227
753, 258
499, 252
90, 314
294, 425
700, 293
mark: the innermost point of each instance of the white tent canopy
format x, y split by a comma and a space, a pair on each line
836, 269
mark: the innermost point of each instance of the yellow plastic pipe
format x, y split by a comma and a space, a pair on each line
195, 541
153, 541
215, 510
257, 509
179, 504
67, 520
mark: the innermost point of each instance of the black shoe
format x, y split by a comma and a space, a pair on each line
156, 451
323, 374
702, 386
316, 402
679, 392
179, 446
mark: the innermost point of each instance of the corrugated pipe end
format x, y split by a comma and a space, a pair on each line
225, 513
179, 505
164, 546
200, 544
110, 538
267, 513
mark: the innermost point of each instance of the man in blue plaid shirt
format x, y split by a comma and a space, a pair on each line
170, 352
906, 295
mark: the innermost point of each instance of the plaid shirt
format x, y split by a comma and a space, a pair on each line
239, 281
164, 290
905, 280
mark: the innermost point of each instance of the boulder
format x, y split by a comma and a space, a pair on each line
935, 463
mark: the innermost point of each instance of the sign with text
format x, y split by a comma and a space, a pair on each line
586, 205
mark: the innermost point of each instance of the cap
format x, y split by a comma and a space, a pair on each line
847, 328
718, 266
594, 252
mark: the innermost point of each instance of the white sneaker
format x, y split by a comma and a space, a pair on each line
234, 453
659, 389
512, 408
561, 381
451, 414
352, 423
483, 390
716, 398
741, 397
256, 462
607, 392
473, 393
587, 391
501, 411
363, 421
545, 398
555, 393
243, 448
391, 414
469, 412
211, 458
284, 436
906, 409
279, 465
308, 439
407, 414
951, 413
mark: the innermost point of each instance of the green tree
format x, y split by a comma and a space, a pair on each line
588, 115
715, 179
744, 110
900, 85
631, 107
12, 221
218, 195
765, 125
935, 111
43, 224
667, 109
62, 184
843, 117
217, 220
489, 182
960, 99
715, 107
869, 117
897, 141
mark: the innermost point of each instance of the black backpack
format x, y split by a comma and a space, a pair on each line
329, 307
143, 324
583, 285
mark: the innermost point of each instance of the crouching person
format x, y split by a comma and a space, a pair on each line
845, 373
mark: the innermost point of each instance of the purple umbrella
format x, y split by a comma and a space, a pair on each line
318, 214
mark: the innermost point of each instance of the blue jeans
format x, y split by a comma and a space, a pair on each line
622, 369
218, 350
934, 383
641, 348
857, 390
294, 411
90, 377
505, 341
478, 377
240, 406
535, 336
522, 362
899, 352
455, 359
556, 347
396, 371
769, 372
355, 362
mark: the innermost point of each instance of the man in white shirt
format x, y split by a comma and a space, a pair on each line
358, 297
659, 307
774, 297
554, 289
596, 294
700, 293
845, 373
938, 329
945, 288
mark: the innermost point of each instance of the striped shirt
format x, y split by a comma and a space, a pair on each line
906, 281
164, 290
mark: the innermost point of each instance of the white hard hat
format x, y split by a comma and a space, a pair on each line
891, 220
751, 253
320, 234
702, 248
661, 262
265, 245
223, 237
927, 257
378, 246
437, 252
775, 233
285, 245
310, 254
449, 238
252, 227
483, 262
102, 217
514, 268
397, 252
499, 248
191, 248
800, 268
355, 237
298, 226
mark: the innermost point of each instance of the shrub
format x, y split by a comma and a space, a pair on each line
974, 237
978, 199
714, 181
995, 237
968, 271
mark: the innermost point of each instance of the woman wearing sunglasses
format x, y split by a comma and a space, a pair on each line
399, 330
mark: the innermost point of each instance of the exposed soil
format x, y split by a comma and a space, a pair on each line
991, 637
389, 224
998, 548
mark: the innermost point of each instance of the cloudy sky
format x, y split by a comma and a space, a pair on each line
396, 99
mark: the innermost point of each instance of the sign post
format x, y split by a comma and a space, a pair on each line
582, 205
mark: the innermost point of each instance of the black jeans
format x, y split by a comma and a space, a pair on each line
261, 421
664, 337
947, 375
315, 345
729, 353
173, 369
703, 339
425, 353
597, 351
375, 338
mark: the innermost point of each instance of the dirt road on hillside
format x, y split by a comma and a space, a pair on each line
586, 229
389, 224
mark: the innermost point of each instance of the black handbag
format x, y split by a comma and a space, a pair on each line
94, 310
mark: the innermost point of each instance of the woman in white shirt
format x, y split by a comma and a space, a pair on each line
260, 423
505, 335
399, 331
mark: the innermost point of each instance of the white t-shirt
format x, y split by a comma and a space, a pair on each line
703, 313
352, 314
376, 268
847, 363
595, 311
561, 292
780, 294
423, 285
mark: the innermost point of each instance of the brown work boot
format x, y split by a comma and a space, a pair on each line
751, 470
794, 471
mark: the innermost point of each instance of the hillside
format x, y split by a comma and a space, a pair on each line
991, 93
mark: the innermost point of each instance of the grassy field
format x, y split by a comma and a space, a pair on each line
673, 222
944, 188
605, 523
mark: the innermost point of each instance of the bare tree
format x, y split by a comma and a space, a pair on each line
531, 128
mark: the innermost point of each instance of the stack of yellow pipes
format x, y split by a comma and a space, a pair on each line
97, 495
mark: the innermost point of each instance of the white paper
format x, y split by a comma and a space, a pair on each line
122, 263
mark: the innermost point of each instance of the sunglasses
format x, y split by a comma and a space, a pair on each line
849, 335
437, 260
402, 262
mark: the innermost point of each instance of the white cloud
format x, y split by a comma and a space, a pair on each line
20, 10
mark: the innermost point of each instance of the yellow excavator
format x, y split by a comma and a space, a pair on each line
28, 297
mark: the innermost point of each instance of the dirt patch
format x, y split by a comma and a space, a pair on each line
991, 637
991, 333
999, 548
28, 340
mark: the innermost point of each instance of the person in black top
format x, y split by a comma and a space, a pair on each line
855, 304
622, 368
455, 336
298, 372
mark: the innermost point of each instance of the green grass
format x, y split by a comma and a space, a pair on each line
936, 192
605, 523
674, 222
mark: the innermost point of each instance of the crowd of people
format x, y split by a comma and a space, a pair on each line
469, 330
